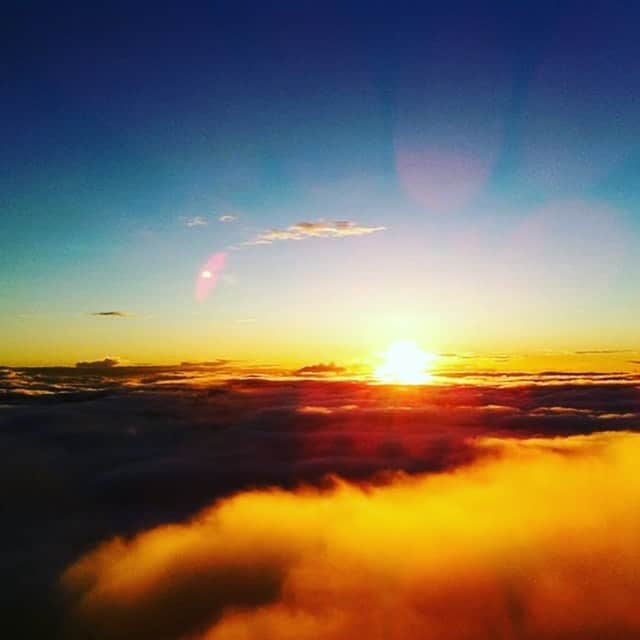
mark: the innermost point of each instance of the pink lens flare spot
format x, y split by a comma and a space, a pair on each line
208, 275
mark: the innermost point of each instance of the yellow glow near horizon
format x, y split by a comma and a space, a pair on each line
405, 363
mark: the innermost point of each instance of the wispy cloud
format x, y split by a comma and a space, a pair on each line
227, 218
320, 229
592, 352
112, 314
195, 221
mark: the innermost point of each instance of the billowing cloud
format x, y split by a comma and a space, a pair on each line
112, 314
87, 454
538, 538
196, 221
105, 363
320, 229
227, 218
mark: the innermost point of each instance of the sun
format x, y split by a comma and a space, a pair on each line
405, 363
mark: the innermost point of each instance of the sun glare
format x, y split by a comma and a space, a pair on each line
405, 363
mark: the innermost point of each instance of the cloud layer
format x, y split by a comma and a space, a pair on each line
94, 453
538, 540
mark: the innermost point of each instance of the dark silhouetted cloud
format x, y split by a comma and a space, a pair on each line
105, 363
320, 368
112, 314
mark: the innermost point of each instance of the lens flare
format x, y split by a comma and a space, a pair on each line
208, 275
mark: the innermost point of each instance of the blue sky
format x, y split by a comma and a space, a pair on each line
498, 146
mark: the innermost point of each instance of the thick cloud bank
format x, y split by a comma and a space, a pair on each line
539, 540
88, 455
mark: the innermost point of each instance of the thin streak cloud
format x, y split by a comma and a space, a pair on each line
113, 314
320, 229
603, 352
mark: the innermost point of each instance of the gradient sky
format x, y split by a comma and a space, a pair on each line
497, 147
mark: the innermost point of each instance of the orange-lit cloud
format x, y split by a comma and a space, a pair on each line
320, 229
537, 539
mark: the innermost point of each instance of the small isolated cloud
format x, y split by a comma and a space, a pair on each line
320, 368
112, 314
310, 408
105, 363
206, 364
320, 229
227, 218
196, 221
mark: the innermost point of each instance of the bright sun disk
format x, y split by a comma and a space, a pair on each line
405, 363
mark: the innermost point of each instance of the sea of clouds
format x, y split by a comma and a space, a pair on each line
190, 502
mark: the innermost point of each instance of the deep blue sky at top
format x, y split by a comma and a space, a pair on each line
132, 99
118, 120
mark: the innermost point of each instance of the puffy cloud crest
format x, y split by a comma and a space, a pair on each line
523, 543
